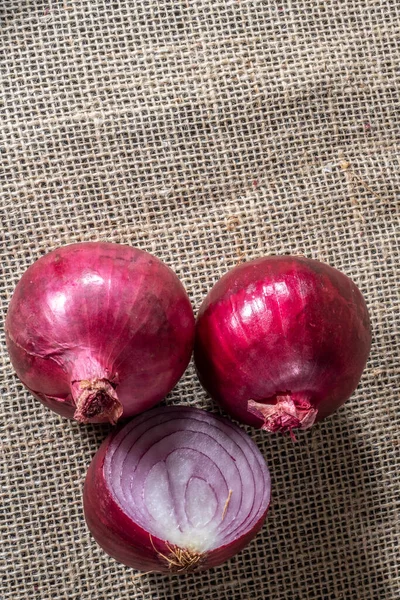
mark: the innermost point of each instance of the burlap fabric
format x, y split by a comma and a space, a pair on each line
208, 132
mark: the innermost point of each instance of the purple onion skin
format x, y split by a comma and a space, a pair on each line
282, 342
99, 331
125, 540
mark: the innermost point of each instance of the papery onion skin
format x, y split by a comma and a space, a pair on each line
127, 541
99, 331
282, 341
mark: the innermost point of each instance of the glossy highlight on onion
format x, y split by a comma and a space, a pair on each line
282, 341
175, 490
99, 331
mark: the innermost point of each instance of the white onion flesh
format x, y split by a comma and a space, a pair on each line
188, 477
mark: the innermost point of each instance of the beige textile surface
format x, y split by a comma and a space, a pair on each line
208, 132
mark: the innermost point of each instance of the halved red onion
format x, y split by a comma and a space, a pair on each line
177, 489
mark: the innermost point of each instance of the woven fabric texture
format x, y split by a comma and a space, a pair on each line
208, 132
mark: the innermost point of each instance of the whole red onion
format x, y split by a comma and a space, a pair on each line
98, 330
282, 341
177, 489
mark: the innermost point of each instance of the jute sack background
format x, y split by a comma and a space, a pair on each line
208, 132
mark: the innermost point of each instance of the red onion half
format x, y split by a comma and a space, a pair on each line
97, 331
282, 341
177, 489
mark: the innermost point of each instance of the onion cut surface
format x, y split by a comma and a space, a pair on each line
99, 331
177, 489
282, 341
